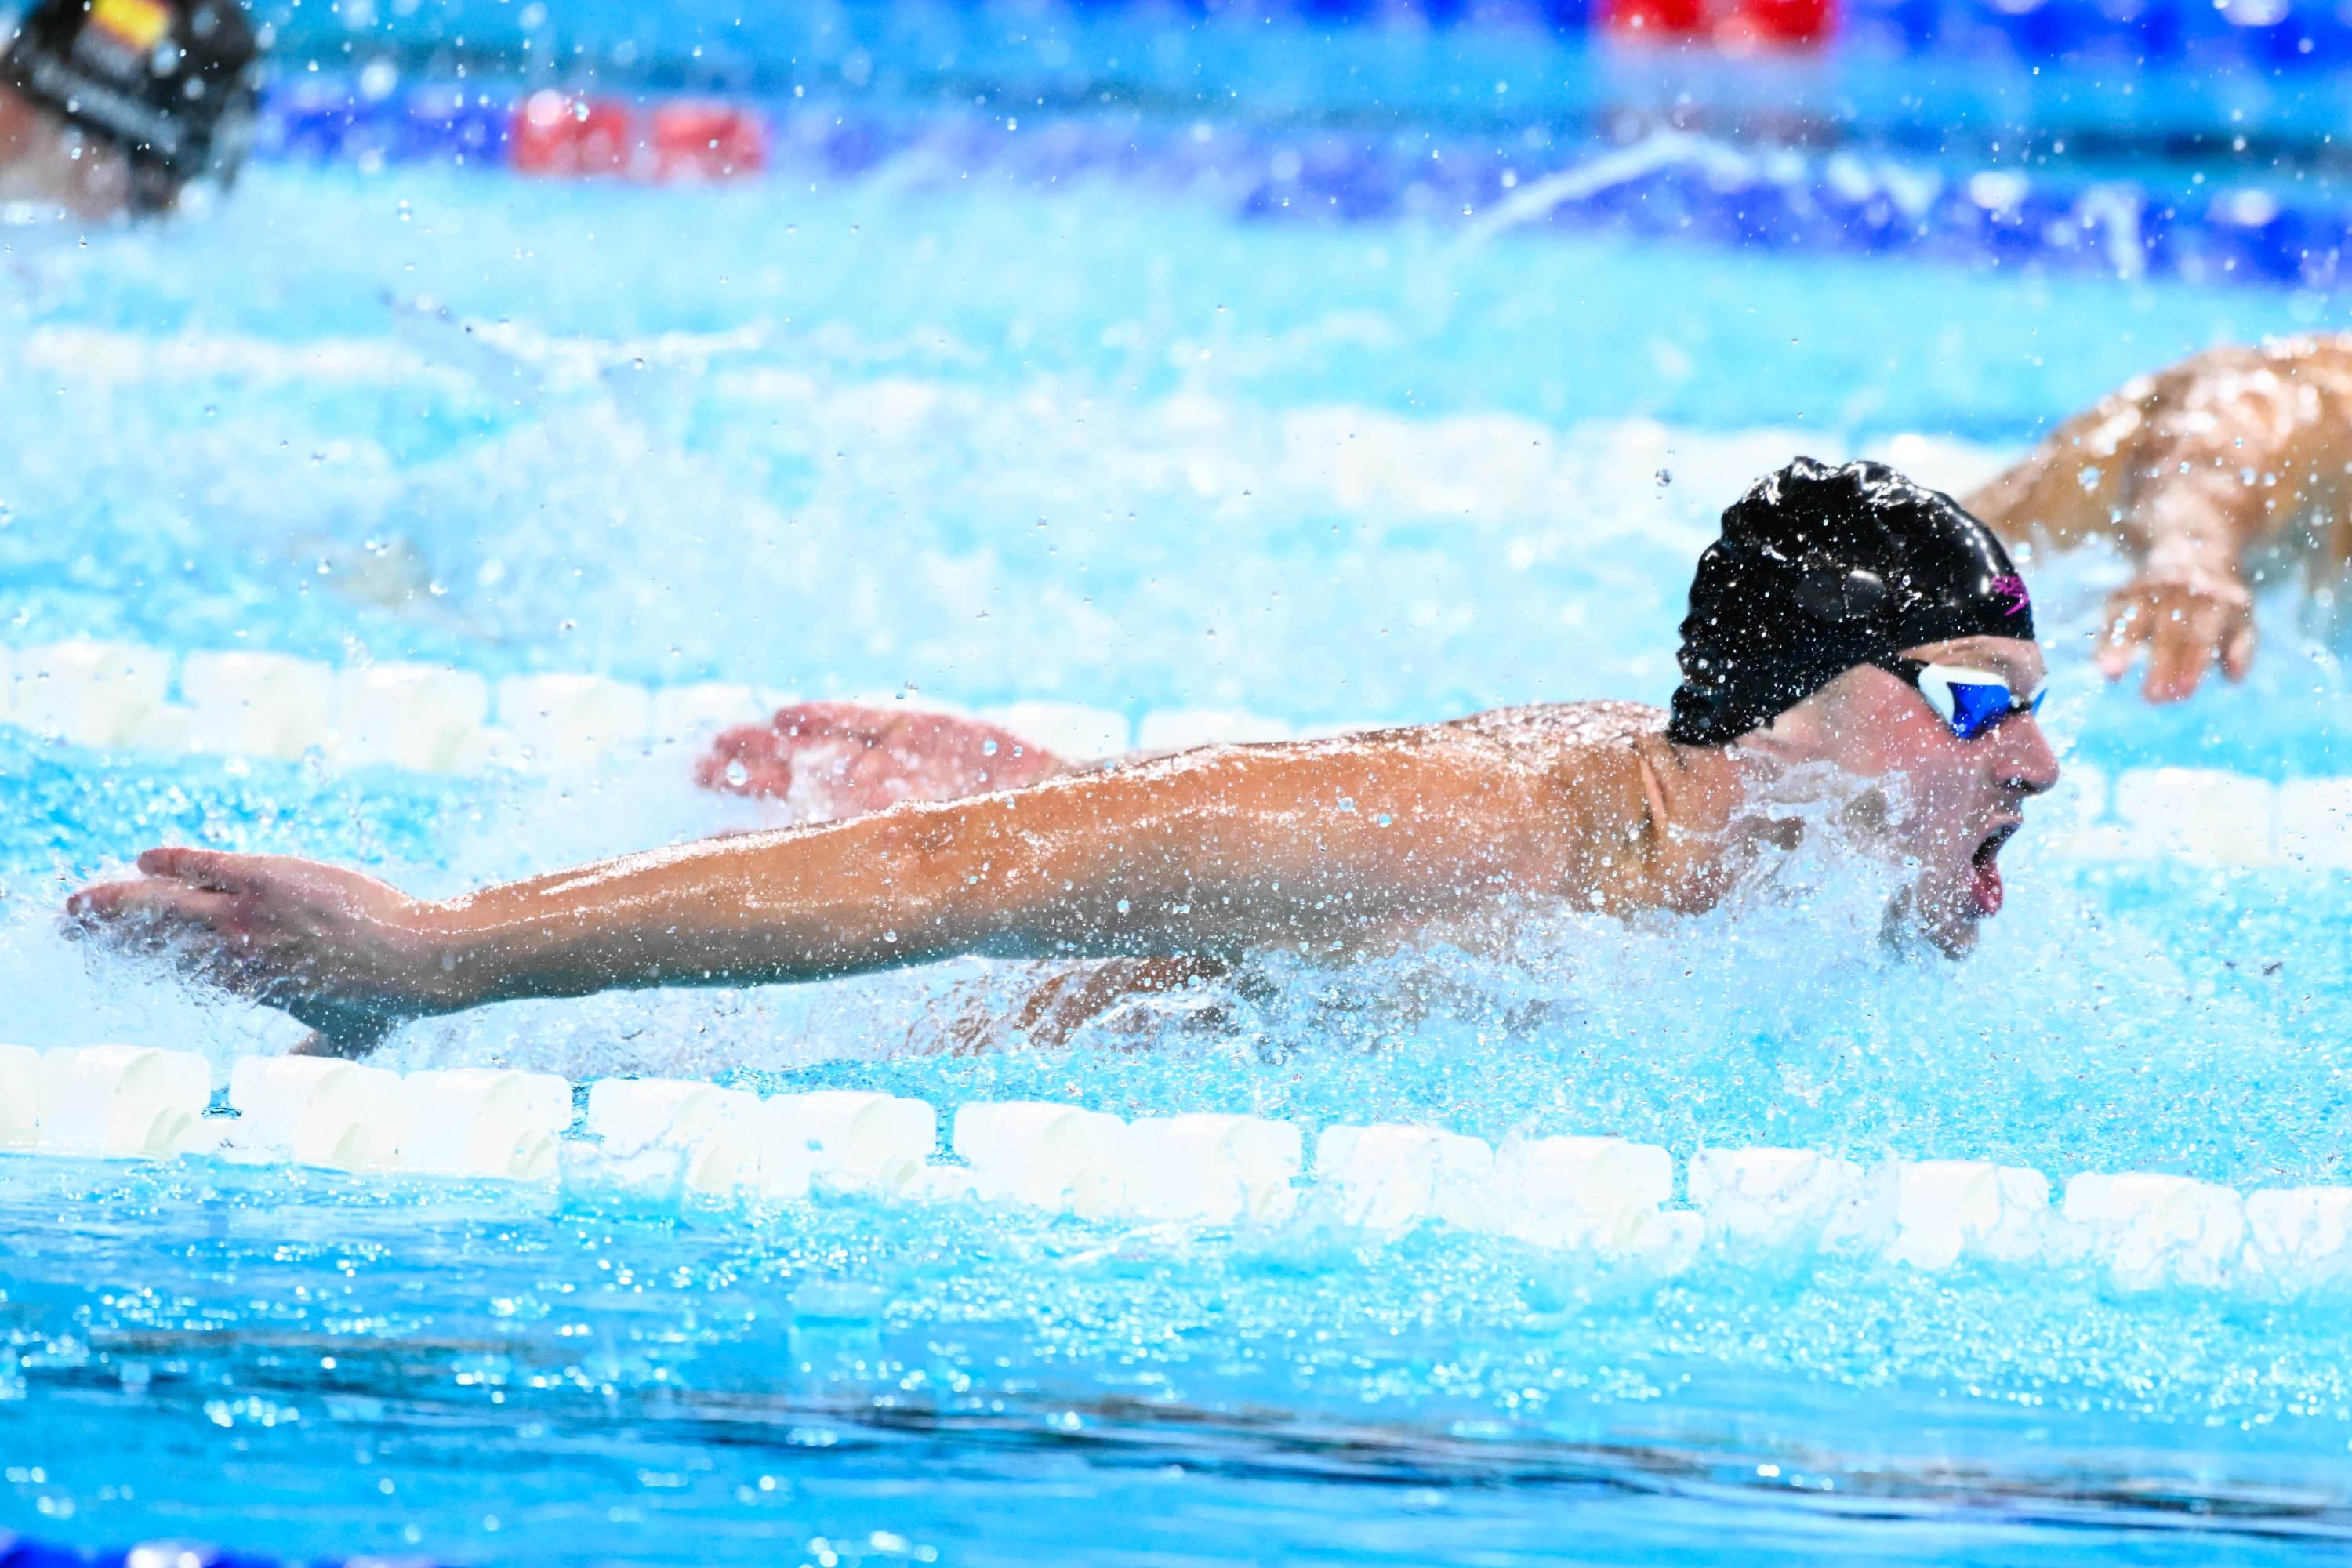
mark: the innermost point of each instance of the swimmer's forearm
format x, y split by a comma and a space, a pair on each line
2198, 515
2176, 500
746, 911
1200, 856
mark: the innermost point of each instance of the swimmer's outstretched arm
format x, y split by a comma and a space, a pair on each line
2193, 472
1314, 845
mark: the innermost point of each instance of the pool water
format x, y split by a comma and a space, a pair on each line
1013, 441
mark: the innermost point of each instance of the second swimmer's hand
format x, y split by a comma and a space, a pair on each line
347, 954
2186, 617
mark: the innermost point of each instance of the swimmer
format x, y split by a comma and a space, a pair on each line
2216, 475
109, 106
1847, 624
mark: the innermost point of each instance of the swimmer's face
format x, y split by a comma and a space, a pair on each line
46, 162
1960, 800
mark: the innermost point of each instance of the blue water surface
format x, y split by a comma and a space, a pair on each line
994, 441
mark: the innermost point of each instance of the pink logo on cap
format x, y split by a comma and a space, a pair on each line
2013, 585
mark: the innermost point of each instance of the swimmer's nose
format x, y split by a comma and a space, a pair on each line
2030, 764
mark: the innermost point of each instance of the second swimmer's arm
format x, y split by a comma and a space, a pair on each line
2178, 507
2192, 473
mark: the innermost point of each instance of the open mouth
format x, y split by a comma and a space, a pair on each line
1987, 862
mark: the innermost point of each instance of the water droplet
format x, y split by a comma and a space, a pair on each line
1665, 476
738, 775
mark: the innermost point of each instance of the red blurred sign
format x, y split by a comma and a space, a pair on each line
707, 141
1734, 26
559, 134
555, 133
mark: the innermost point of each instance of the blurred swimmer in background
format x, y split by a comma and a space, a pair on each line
2216, 476
113, 106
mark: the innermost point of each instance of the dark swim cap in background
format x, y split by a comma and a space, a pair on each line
1820, 569
169, 82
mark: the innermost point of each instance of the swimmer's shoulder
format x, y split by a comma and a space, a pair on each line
1612, 757
1639, 819
1600, 731
1590, 749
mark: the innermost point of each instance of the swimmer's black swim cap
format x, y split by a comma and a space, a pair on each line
169, 82
1820, 569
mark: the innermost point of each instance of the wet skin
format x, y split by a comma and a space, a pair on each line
1958, 801
1333, 848
2210, 474
46, 162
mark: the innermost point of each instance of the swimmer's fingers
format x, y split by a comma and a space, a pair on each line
2198, 624
145, 913
2180, 654
190, 929
2130, 626
831, 721
214, 869
2238, 651
737, 757
2186, 623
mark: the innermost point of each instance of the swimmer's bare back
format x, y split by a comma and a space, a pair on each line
1330, 848
2204, 473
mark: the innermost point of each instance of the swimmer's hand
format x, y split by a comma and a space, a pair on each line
350, 956
2188, 615
843, 759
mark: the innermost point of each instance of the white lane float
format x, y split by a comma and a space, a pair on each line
483, 1122
1609, 1195
1389, 1176
1211, 1169
1580, 1190
318, 1110
675, 1134
1776, 1198
257, 704
1043, 1156
438, 719
2153, 1230
851, 1139
565, 724
422, 717
2315, 822
1947, 1208
121, 1103
2199, 816
20, 1097
2298, 1239
687, 715
99, 694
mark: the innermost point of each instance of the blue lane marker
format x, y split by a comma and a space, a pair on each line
1686, 189
15, 1552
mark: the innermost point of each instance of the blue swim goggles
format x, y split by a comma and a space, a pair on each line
1971, 702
